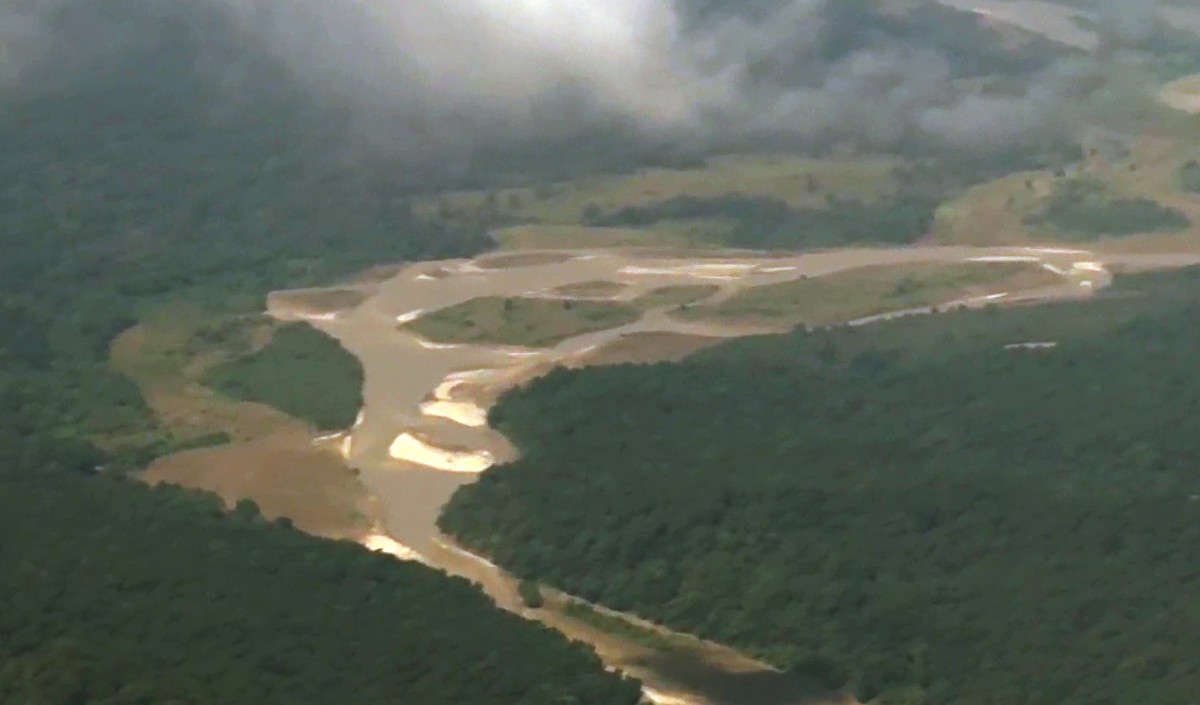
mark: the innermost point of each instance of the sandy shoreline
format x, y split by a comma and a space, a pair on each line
410, 448
461, 412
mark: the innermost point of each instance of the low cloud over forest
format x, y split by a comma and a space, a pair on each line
438, 80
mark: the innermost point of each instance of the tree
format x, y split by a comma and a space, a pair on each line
531, 594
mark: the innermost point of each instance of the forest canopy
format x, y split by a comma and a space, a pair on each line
921, 511
125, 595
1085, 208
154, 155
121, 189
302, 372
764, 223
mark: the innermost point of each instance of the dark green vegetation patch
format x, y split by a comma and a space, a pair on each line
768, 223
1083, 208
675, 296
302, 372
904, 217
522, 321
914, 509
124, 595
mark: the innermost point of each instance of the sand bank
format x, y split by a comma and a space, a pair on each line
1056, 251
720, 267
648, 271
410, 316
409, 448
1006, 258
454, 380
447, 545
445, 390
313, 304
461, 412
307, 316
430, 345
659, 697
381, 543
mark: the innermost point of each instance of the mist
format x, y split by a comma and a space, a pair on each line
438, 80
1126, 22
705, 75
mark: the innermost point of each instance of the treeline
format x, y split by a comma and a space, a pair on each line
911, 510
1085, 208
929, 177
128, 179
770, 223
302, 372
123, 595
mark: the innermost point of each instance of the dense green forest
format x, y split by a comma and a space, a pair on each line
923, 183
123, 595
1085, 208
767, 223
914, 509
302, 372
120, 189
155, 155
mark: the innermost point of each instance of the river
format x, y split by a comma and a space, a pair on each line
421, 435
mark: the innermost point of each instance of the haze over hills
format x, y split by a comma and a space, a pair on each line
653, 77
168, 165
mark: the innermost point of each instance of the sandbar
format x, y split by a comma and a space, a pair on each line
408, 447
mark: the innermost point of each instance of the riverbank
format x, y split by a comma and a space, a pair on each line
422, 434
425, 402
675, 669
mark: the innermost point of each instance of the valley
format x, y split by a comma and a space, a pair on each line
795, 352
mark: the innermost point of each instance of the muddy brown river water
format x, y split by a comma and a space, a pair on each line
421, 435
